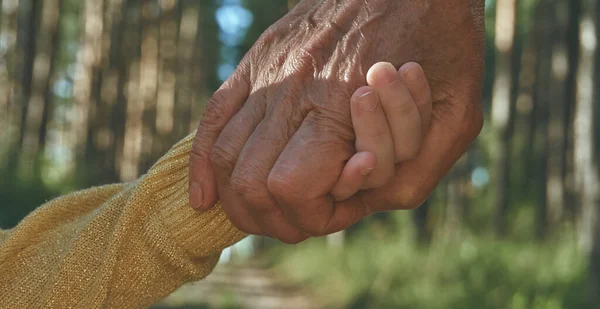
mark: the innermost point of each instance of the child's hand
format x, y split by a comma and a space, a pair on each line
390, 118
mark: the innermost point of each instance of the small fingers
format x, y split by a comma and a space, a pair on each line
354, 175
413, 76
373, 135
400, 110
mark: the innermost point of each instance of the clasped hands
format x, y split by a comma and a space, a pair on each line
295, 146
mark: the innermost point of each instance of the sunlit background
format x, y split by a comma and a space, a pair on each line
94, 91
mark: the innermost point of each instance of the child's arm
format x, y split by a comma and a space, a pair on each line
117, 246
127, 245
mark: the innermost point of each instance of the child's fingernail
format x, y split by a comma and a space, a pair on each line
367, 101
412, 72
367, 171
389, 73
197, 196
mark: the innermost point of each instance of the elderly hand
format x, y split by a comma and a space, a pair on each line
276, 136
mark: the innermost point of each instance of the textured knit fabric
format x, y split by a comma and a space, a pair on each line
116, 246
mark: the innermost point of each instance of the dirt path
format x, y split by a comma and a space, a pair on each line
241, 286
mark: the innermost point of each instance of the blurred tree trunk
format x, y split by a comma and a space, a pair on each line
8, 30
40, 98
4, 79
556, 149
165, 112
194, 29
544, 32
570, 98
456, 199
28, 18
127, 56
86, 84
420, 217
1, 15
207, 53
525, 107
128, 163
587, 170
502, 118
108, 120
51, 77
149, 71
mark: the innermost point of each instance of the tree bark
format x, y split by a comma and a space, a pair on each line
167, 82
420, 217
27, 24
108, 118
570, 98
40, 97
85, 89
456, 199
132, 142
194, 29
502, 118
149, 73
526, 108
120, 57
586, 168
542, 97
587, 172
555, 185
5, 78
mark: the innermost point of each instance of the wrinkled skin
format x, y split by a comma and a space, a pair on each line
276, 135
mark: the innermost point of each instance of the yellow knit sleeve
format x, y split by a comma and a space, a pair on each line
116, 246
3, 236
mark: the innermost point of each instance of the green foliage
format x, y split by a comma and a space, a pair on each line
18, 198
394, 272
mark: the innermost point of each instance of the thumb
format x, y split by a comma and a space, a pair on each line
221, 107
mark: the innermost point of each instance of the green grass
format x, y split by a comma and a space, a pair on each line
394, 272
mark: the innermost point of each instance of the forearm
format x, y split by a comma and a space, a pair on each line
119, 246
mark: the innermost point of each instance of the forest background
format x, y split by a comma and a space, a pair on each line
94, 91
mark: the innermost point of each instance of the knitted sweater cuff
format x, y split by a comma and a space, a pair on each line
200, 234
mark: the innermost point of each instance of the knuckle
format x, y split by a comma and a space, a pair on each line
408, 198
283, 187
305, 60
314, 229
223, 157
332, 126
314, 223
381, 178
243, 223
407, 107
215, 114
377, 133
249, 188
408, 152
199, 151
